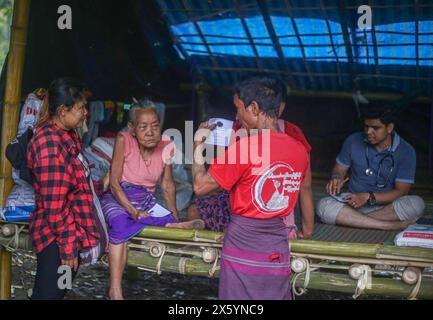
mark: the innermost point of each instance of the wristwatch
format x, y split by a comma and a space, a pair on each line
371, 200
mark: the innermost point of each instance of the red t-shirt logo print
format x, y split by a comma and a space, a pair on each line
273, 188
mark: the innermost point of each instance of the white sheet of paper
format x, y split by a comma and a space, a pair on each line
341, 197
221, 135
158, 211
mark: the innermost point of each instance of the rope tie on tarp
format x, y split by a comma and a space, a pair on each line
364, 280
307, 278
414, 294
215, 267
196, 238
158, 265
14, 243
182, 265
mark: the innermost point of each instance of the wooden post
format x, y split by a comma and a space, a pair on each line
430, 147
12, 98
1, 271
5, 274
202, 101
342, 283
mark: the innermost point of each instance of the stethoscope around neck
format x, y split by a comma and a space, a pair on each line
369, 172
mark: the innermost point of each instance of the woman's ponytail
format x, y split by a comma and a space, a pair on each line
44, 115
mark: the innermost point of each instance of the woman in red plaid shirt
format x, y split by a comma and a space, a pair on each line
64, 225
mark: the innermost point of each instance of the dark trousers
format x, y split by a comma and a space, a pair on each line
46, 285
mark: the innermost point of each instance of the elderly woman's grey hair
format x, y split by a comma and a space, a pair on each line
144, 104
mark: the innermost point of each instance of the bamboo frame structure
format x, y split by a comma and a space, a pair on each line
318, 74
5, 274
298, 37
351, 32
12, 98
327, 281
187, 7
337, 95
321, 279
331, 39
171, 263
430, 147
417, 39
217, 12
259, 62
361, 250
11, 109
275, 41
183, 253
284, 70
346, 37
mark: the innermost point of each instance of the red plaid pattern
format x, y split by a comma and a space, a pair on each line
64, 200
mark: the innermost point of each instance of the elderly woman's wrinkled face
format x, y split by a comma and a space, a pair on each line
146, 128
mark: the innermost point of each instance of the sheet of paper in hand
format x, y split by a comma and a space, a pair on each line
221, 135
158, 211
341, 197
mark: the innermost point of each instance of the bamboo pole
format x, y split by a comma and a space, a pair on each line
12, 98
184, 243
5, 274
371, 261
171, 249
359, 250
202, 102
379, 286
318, 280
172, 264
1, 270
180, 234
24, 242
335, 95
362, 250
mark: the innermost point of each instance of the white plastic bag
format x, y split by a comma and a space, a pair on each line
29, 113
416, 235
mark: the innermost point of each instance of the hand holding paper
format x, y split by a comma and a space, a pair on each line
158, 211
221, 135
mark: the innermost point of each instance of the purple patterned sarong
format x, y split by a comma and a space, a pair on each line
122, 226
255, 262
215, 211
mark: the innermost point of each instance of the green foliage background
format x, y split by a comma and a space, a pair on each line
6, 10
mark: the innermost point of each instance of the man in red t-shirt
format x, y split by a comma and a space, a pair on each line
306, 193
264, 184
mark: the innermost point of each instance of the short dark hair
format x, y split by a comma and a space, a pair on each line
64, 91
378, 110
265, 91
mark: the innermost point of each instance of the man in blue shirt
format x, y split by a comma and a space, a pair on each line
382, 170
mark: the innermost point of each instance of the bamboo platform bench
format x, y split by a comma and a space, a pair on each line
346, 267
338, 259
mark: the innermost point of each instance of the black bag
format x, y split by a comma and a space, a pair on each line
16, 153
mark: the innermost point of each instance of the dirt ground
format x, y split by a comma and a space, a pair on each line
91, 284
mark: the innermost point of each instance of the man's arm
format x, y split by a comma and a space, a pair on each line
358, 200
307, 207
400, 190
203, 182
338, 179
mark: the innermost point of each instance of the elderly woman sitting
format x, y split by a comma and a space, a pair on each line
140, 158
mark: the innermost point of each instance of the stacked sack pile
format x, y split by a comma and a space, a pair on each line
21, 201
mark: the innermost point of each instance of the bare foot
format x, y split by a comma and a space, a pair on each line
220, 239
115, 294
196, 224
399, 225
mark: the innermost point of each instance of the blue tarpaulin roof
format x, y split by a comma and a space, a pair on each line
315, 44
